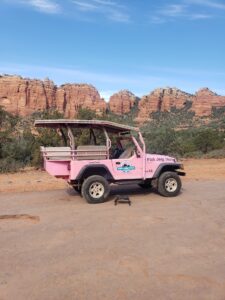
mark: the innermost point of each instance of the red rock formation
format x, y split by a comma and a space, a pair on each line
71, 97
173, 97
161, 100
122, 102
23, 96
205, 100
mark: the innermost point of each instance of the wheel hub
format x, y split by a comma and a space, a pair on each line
171, 185
96, 190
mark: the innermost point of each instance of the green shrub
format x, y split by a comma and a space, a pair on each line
9, 165
20, 143
208, 139
194, 154
218, 153
86, 114
218, 112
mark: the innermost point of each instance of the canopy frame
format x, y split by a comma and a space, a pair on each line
109, 126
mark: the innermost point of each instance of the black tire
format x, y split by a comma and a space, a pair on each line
169, 184
95, 189
146, 185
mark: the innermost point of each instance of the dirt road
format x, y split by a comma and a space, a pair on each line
55, 246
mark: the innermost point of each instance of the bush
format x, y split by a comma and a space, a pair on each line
160, 140
218, 112
19, 146
9, 165
218, 153
194, 154
188, 142
20, 142
208, 139
86, 114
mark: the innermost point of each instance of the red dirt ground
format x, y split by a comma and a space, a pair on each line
36, 180
53, 245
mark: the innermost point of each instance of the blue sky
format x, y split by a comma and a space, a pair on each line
116, 44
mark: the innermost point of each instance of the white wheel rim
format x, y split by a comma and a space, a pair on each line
96, 190
171, 185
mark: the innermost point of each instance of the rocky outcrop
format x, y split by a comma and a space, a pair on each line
71, 97
122, 102
205, 100
22, 96
162, 99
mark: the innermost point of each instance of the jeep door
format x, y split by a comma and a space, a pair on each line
129, 165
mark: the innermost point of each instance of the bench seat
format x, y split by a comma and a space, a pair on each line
91, 152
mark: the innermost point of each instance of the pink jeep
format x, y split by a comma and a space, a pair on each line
113, 155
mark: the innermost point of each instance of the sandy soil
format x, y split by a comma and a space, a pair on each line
30, 180
36, 180
53, 245
209, 169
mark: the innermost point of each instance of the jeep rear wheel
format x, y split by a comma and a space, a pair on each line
169, 184
95, 189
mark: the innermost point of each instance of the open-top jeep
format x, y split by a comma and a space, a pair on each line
113, 155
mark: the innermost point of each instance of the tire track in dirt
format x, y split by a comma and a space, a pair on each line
25, 217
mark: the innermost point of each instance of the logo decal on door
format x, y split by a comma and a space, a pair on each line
125, 167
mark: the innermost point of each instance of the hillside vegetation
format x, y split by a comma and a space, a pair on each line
176, 133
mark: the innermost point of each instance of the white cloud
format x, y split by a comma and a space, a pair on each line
200, 16
119, 16
183, 71
109, 9
105, 2
106, 94
108, 83
184, 11
45, 6
220, 91
85, 6
75, 74
207, 3
173, 10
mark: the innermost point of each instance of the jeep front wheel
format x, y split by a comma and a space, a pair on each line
169, 184
95, 189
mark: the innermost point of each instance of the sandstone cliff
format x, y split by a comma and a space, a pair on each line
23, 96
71, 97
205, 100
122, 102
162, 100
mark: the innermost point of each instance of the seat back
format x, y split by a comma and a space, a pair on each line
91, 152
57, 153
127, 153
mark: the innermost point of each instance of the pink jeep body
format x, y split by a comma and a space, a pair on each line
77, 163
